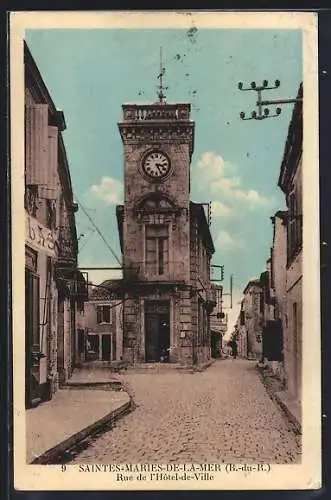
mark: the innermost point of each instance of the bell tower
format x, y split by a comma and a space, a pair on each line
158, 141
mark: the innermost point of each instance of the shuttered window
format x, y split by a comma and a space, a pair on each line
36, 144
52, 175
294, 230
103, 314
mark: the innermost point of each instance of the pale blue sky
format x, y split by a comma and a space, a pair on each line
90, 73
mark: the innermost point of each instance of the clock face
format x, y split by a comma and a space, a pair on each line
156, 165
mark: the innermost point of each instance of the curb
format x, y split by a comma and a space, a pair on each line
53, 455
296, 425
293, 420
114, 385
196, 368
203, 367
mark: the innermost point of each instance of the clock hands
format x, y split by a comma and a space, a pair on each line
159, 166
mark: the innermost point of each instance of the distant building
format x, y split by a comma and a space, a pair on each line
290, 182
272, 334
218, 323
165, 240
103, 323
242, 332
278, 283
51, 277
252, 308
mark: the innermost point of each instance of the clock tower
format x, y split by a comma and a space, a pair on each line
158, 229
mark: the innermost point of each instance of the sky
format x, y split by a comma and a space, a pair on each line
236, 163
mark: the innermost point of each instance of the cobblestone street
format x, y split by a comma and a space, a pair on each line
221, 414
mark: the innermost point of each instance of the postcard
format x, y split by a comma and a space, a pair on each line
165, 242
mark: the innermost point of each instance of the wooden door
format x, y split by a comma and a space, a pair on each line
157, 330
106, 347
152, 337
32, 341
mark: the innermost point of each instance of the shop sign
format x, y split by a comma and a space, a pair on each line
39, 237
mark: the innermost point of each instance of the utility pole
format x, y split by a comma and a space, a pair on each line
230, 294
264, 112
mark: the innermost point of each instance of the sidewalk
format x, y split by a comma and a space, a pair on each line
71, 416
275, 390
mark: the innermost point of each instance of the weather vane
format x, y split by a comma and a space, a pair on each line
261, 113
161, 94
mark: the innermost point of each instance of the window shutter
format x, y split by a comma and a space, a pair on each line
98, 314
51, 172
36, 150
151, 254
106, 314
166, 251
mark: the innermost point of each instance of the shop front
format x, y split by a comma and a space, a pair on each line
39, 320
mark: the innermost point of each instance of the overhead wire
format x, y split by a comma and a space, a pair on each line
99, 232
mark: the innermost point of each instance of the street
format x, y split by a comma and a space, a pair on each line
221, 414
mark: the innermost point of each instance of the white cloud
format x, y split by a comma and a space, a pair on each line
226, 241
212, 165
109, 190
219, 209
97, 276
220, 177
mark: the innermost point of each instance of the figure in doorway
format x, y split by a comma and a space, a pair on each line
234, 347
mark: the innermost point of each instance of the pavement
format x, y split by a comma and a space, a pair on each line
290, 406
221, 414
72, 415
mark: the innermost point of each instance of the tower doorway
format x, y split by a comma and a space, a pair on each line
157, 331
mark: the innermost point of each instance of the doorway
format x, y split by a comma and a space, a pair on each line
106, 348
157, 331
32, 341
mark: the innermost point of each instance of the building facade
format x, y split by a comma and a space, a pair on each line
165, 240
272, 333
278, 283
102, 324
290, 182
241, 329
253, 307
218, 323
50, 245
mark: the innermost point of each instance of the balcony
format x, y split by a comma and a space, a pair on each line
156, 112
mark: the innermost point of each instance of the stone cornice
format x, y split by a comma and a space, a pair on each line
136, 132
